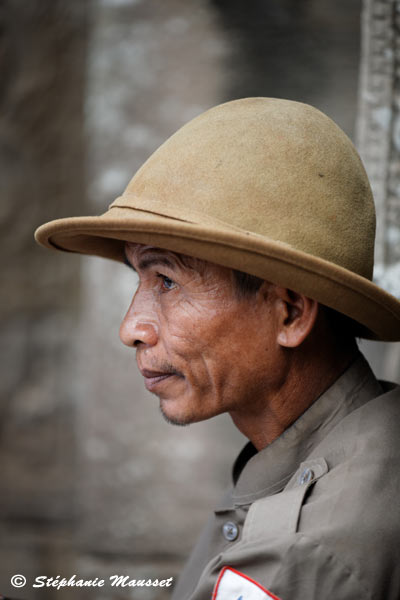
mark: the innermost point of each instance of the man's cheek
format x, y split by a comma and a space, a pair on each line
206, 303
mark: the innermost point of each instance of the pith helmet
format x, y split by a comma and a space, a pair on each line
270, 187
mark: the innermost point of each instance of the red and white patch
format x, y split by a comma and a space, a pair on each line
233, 585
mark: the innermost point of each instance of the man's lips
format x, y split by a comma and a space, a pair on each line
154, 378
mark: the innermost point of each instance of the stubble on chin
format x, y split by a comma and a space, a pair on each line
171, 420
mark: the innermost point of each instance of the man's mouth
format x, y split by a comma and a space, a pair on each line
152, 379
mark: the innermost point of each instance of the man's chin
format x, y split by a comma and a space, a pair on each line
172, 420
176, 411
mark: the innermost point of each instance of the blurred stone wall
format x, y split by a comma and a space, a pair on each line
305, 50
94, 481
42, 155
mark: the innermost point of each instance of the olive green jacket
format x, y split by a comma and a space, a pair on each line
316, 514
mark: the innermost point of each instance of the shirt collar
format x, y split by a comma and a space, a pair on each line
258, 474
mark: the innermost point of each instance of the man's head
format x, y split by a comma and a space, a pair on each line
269, 187
210, 340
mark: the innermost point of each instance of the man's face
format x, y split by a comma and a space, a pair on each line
201, 348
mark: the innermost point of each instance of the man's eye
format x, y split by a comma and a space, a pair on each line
166, 283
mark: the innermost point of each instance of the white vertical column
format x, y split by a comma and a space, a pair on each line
378, 136
379, 130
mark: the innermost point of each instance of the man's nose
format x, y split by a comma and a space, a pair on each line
138, 327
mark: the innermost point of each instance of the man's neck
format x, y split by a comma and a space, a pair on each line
308, 375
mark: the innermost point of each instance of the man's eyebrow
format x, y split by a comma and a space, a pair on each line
148, 261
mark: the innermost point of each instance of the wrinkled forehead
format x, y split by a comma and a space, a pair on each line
137, 254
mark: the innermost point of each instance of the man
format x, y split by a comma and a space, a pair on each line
252, 231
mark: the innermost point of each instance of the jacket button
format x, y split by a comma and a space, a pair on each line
230, 531
306, 476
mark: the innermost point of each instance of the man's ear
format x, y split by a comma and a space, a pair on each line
296, 316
